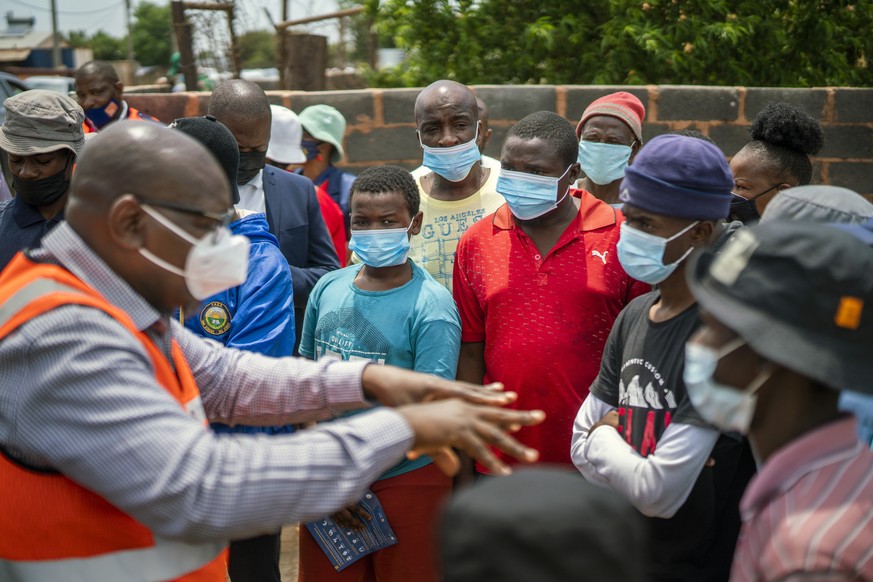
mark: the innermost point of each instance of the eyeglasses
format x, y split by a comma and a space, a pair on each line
224, 218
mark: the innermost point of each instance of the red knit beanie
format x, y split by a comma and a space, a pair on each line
622, 105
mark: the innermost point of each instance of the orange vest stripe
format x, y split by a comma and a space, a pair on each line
58, 529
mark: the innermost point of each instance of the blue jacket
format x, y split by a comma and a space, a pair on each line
257, 316
294, 217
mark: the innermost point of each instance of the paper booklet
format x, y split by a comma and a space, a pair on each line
345, 546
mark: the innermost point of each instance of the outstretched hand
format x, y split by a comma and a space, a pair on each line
392, 386
440, 426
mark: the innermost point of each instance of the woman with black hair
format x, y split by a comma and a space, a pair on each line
783, 138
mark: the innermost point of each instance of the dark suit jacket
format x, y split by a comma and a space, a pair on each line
294, 217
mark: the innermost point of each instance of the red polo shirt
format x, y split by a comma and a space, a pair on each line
544, 319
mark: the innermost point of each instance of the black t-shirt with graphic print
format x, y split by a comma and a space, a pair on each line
641, 375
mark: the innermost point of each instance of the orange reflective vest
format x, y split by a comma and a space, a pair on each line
50, 527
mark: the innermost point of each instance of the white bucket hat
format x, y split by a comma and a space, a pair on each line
285, 137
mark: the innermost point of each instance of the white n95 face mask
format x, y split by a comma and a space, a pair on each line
215, 263
724, 407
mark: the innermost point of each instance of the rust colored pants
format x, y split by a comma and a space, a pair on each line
412, 502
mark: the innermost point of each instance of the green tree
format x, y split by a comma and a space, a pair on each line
257, 49
152, 34
719, 42
104, 46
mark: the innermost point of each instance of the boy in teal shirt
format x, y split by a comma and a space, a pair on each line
388, 310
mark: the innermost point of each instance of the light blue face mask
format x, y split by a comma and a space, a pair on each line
603, 163
642, 255
384, 247
529, 195
452, 163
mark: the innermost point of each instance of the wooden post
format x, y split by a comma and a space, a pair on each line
281, 60
306, 62
186, 49
372, 45
234, 44
303, 57
341, 49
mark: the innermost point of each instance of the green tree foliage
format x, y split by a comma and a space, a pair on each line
104, 46
715, 42
257, 49
152, 33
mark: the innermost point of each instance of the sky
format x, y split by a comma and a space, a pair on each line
109, 15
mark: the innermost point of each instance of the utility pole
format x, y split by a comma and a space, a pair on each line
285, 13
128, 14
56, 46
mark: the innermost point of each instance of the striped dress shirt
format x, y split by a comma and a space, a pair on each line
808, 514
78, 395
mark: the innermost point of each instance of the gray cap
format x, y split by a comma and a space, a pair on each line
39, 122
818, 204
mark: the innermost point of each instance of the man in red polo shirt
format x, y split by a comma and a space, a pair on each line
538, 283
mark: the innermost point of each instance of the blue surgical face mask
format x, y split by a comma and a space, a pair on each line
529, 195
384, 247
101, 116
452, 163
603, 163
642, 255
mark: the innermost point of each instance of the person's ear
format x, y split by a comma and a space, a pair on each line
702, 232
574, 172
119, 89
126, 223
415, 227
71, 165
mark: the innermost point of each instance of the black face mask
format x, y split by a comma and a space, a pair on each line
250, 163
44, 191
744, 209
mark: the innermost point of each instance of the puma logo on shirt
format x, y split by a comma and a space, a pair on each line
602, 257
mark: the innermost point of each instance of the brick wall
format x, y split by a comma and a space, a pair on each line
381, 129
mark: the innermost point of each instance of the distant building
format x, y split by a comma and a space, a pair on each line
21, 46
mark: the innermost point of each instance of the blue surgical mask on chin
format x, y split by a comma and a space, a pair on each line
101, 116
603, 163
530, 196
642, 255
452, 163
385, 247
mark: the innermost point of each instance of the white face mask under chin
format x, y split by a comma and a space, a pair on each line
215, 263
